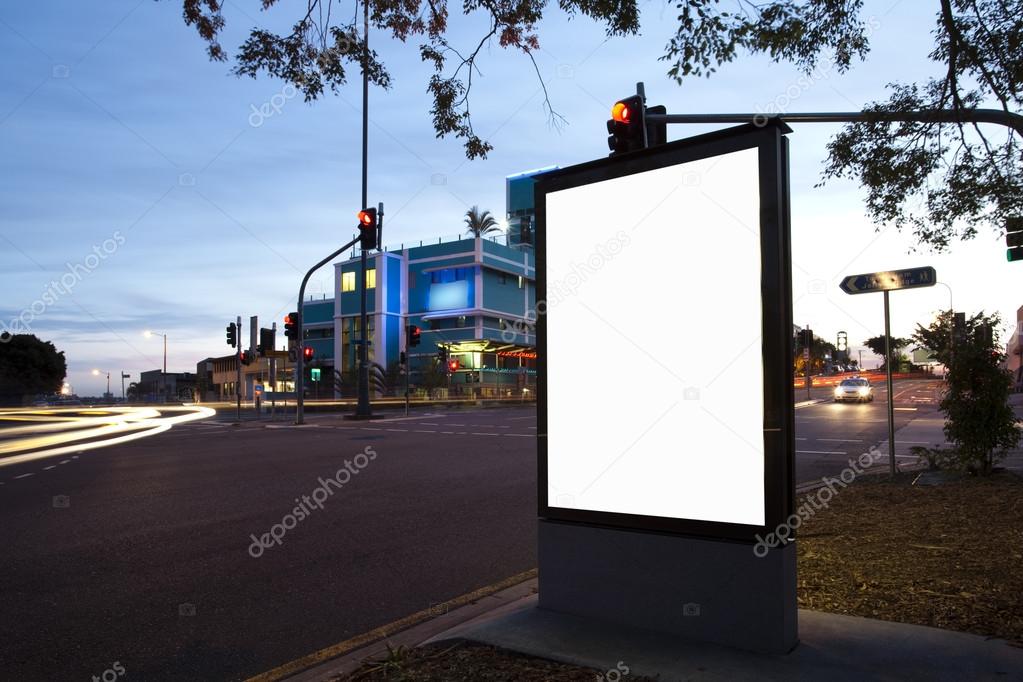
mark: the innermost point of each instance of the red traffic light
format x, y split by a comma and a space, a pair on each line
621, 112
453, 365
368, 216
289, 319
307, 352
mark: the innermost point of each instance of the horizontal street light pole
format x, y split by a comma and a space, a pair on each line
996, 116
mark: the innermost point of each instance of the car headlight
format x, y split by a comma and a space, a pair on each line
838, 391
864, 390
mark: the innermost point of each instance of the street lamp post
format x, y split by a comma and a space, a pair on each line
951, 324
123, 377
96, 373
163, 375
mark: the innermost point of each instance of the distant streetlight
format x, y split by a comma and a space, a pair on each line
96, 373
163, 377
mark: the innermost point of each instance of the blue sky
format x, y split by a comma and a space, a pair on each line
115, 126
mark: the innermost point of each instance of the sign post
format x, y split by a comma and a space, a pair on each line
911, 278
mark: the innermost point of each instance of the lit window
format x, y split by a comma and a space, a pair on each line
347, 281
522, 281
371, 279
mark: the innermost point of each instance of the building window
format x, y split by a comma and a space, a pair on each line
502, 323
348, 280
522, 281
461, 320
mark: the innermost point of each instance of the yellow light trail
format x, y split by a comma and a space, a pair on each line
64, 427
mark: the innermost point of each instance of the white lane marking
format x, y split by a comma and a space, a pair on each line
430, 424
397, 430
370, 428
64, 461
423, 431
448, 432
519, 435
905, 409
531, 427
52, 466
819, 452
454, 424
529, 417
798, 438
24, 476
841, 440
474, 433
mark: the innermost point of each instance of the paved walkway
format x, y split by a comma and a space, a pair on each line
832, 647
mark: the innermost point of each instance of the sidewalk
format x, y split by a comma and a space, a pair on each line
832, 647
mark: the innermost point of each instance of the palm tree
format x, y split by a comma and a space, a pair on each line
480, 223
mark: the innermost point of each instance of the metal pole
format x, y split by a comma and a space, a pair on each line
995, 116
891, 393
299, 360
238, 370
363, 408
272, 364
165, 367
122, 386
408, 363
807, 357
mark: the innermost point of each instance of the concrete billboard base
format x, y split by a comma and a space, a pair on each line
704, 590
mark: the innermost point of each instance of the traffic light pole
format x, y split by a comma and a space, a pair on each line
299, 360
363, 409
995, 116
238, 368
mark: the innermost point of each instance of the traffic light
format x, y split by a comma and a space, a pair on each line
232, 335
1014, 239
806, 338
627, 126
986, 335
291, 327
266, 341
307, 353
368, 237
442, 354
246, 357
453, 365
843, 342
413, 335
402, 358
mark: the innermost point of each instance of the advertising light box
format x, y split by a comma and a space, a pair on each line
664, 336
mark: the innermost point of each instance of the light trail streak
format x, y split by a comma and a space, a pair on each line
110, 427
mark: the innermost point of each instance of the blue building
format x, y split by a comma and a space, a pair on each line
474, 297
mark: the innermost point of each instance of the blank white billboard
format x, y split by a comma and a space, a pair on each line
655, 396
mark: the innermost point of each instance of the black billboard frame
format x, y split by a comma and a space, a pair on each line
776, 324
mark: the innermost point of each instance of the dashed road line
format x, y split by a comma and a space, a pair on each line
475, 433
52, 466
422, 431
24, 475
819, 452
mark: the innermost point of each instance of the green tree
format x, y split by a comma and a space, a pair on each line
29, 367
979, 421
940, 179
876, 345
818, 350
480, 223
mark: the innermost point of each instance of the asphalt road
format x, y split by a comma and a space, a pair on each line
141, 554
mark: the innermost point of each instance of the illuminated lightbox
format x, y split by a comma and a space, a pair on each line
665, 356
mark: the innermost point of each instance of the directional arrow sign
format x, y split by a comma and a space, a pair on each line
889, 281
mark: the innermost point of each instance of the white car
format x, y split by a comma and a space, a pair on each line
857, 388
